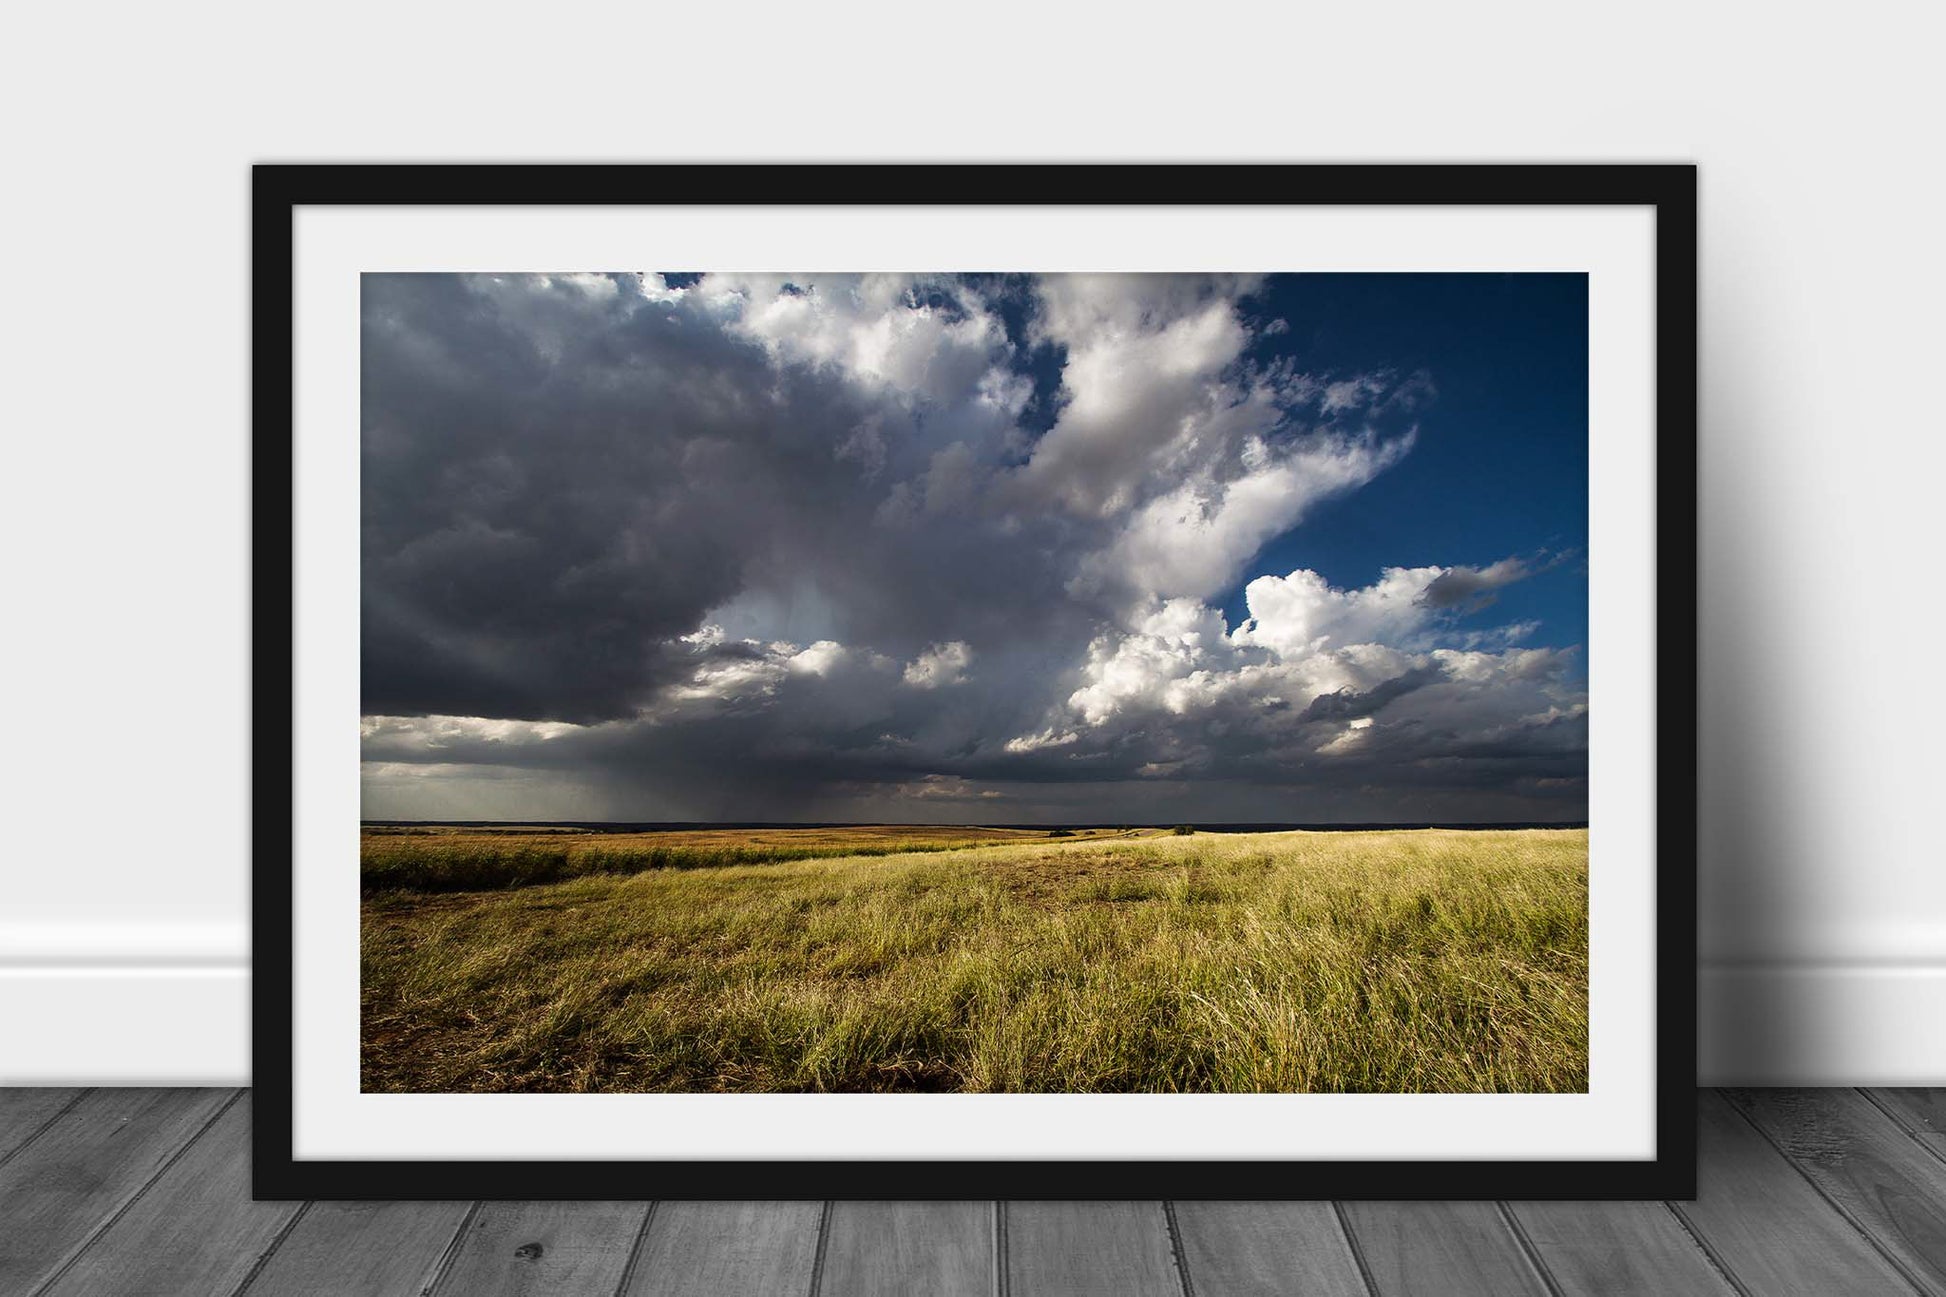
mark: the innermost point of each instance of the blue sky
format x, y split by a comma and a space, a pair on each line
1500, 464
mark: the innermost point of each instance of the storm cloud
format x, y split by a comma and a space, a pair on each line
640, 546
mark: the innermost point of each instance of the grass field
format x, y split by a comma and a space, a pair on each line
1433, 960
468, 859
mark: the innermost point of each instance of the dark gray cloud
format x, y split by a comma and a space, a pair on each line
769, 548
1474, 588
1351, 705
558, 484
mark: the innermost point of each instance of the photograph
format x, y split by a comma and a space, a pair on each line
997, 682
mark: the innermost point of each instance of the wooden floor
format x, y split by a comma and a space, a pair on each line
1823, 1192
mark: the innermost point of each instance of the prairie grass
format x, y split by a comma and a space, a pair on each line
392, 859
1435, 960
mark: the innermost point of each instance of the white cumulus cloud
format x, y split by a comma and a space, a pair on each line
940, 665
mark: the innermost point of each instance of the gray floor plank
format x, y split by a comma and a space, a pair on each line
1456, 1249
25, 1111
1891, 1187
1923, 1112
361, 1249
1089, 1249
1605, 1248
83, 1168
892, 1249
1267, 1249
146, 1191
544, 1249
1760, 1218
728, 1249
194, 1231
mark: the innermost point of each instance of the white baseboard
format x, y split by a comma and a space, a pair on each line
167, 943
119, 1002
161, 1005
131, 1025
1822, 1024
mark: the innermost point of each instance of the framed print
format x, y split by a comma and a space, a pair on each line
987, 681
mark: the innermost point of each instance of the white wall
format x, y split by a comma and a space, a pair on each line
123, 923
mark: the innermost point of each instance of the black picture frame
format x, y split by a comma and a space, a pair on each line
1670, 189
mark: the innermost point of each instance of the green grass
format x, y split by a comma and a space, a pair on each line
1399, 961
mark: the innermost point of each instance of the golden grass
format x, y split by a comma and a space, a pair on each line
1436, 960
469, 859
